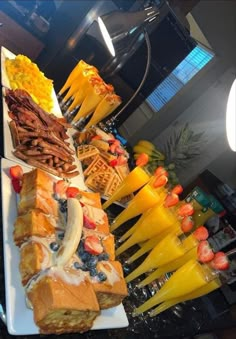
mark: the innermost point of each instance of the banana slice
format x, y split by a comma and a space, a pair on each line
73, 232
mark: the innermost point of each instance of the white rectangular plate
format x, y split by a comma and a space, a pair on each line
8, 144
19, 317
5, 53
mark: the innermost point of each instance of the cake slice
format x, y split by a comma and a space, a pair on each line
33, 223
36, 255
111, 289
37, 192
63, 302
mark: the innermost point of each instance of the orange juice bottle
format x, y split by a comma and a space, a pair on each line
205, 289
201, 216
146, 198
137, 178
169, 267
188, 278
167, 250
148, 245
155, 221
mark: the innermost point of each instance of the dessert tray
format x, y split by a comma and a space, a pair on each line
18, 315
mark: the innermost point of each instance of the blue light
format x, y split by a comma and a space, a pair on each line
181, 75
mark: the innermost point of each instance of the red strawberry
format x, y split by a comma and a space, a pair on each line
60, 188
89, 223
72, 192
178, 189
112, 148
142, 159
16, 184
119, 150
113, 162
204, 252
220, 261
16, 172
121, 160
171, 200
93, 245
116, 142
160, 171
187, 224
185, 210
201, 233
160, 181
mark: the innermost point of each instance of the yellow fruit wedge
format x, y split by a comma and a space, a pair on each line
108, 104
92, 99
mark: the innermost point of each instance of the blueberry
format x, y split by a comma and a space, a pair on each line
85, 256
103, 256
93, 272
92, 262
63, 205
77, 265
54, 246
61, 235
102, 276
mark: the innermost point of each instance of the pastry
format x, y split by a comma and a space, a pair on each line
63, 302
33, 223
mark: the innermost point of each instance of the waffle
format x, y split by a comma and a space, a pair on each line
107, 156
122, 170
86, 151
112, 185
99, 180
98, 164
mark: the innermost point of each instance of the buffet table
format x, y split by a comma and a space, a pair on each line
181, 321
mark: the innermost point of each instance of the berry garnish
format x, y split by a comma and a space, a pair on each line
72, 192
16, 184
178, 189
171, 200
204, 252
220, 261
160, 181
201, 233
16, 172
187, 224
121, 160
160, 171
93, 245
185, 210
113, 162
119, 150
142, 159
60, 188
89, 223
102, 276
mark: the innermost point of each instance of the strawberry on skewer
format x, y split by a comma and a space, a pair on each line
204, 252
187, 224
220, 261
201, 233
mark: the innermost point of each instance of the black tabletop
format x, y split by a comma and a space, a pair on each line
182, 321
